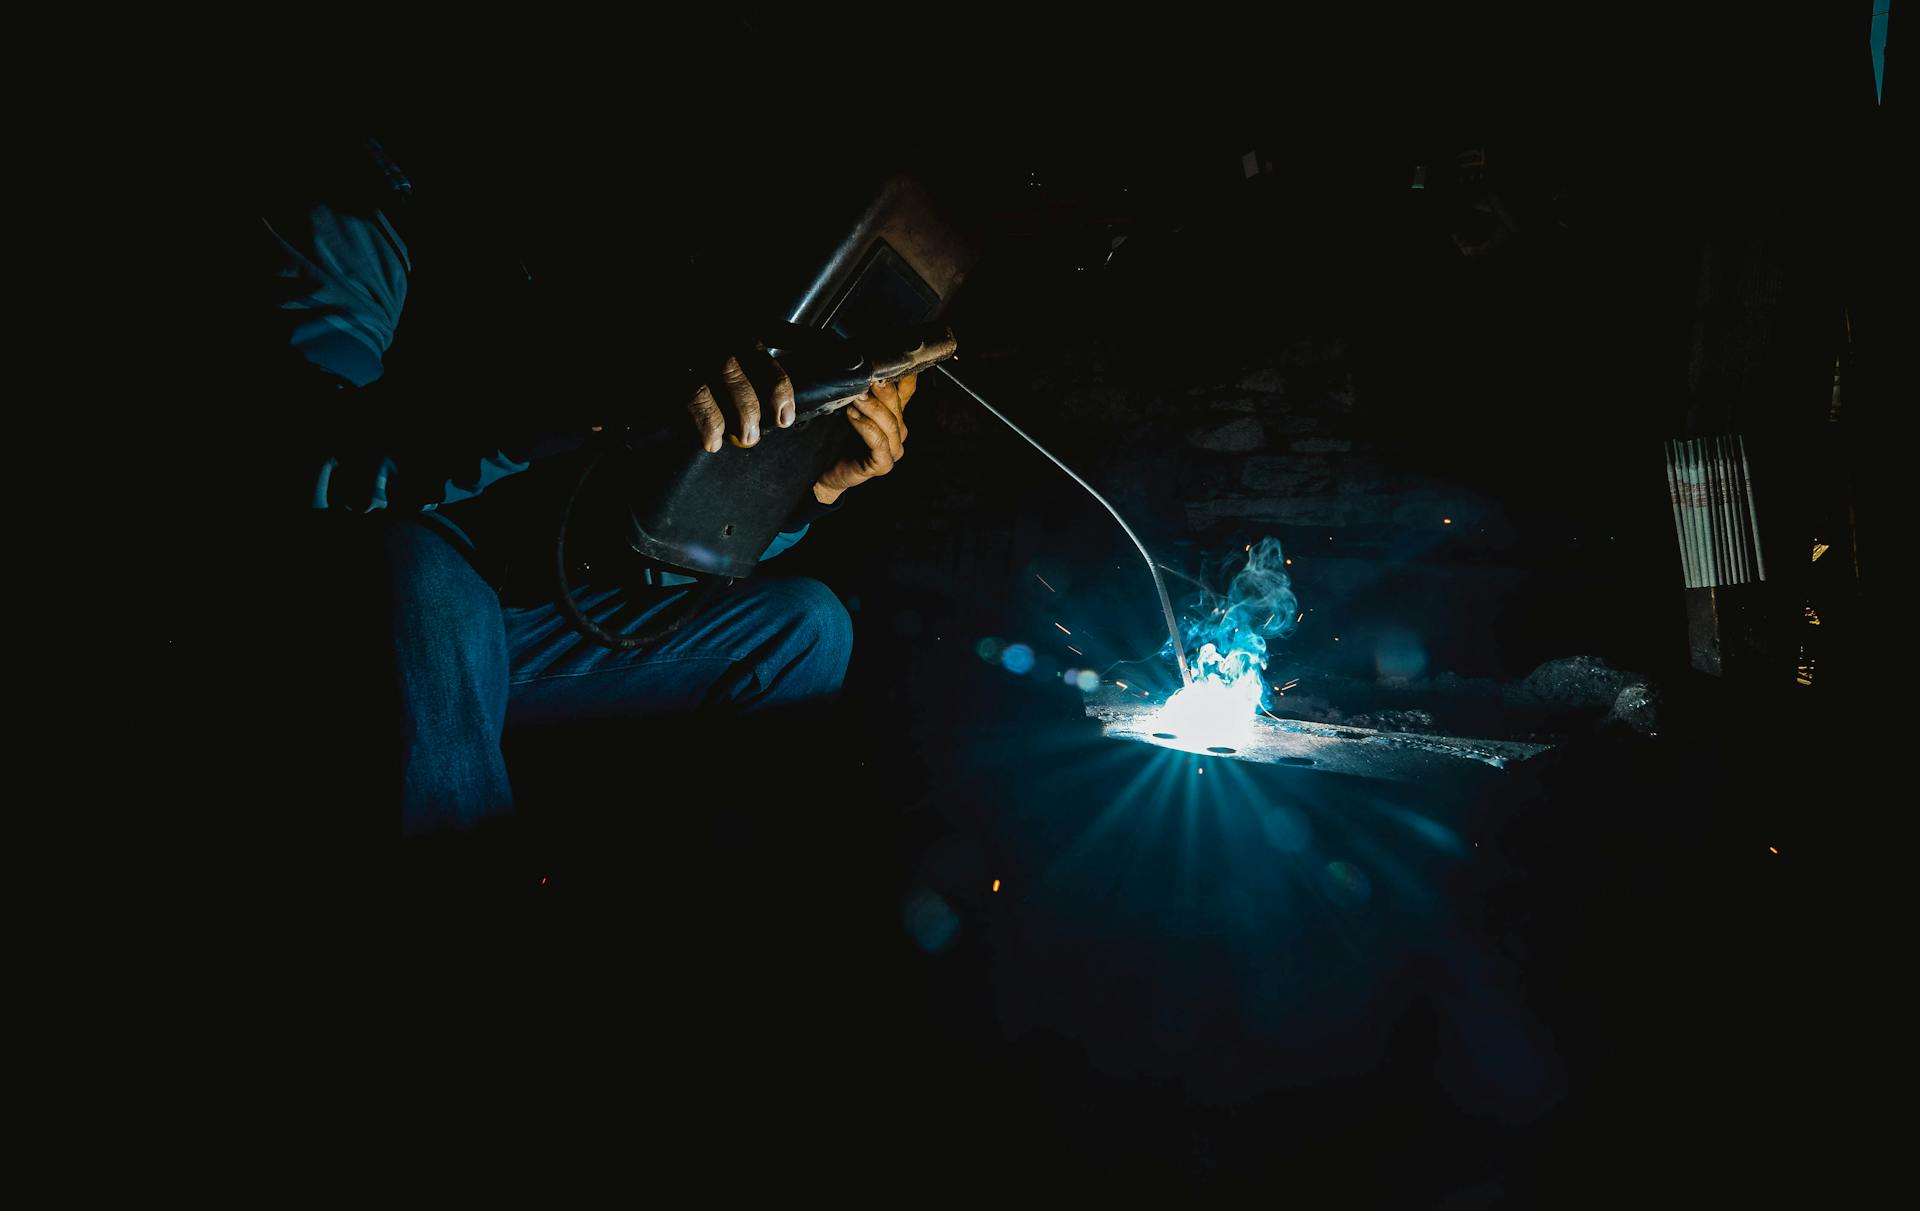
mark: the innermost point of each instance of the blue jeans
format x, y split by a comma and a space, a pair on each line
467, 669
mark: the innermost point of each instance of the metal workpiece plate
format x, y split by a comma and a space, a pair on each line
1330, 748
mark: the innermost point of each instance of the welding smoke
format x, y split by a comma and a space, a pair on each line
1229, 634
1228, 640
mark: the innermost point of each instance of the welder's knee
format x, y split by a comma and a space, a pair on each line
818, 638
420, 559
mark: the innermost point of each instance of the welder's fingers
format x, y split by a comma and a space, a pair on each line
707, 419
740, 402
889, 436
771, 384
785, 407
908, 386
893, 400
880, 449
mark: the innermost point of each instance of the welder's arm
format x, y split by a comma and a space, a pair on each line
381, 453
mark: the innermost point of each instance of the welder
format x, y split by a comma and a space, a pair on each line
410, 510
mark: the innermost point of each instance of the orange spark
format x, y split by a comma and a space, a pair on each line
1063, 628
1446, 521
1774, 850
1121, 684
996, 885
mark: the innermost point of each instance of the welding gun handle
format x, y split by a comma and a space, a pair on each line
826, 369
818, 383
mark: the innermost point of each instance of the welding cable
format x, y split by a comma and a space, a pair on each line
677, 613
1153, 569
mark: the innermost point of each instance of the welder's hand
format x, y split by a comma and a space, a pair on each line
747, 390
880, 418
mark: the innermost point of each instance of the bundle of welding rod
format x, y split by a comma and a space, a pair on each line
1713, 511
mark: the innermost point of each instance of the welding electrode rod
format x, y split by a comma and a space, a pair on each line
1705, 498
1736, 569
1710, 463
1715, 542
1673, 492
1703, 514
1750, 537
1746, 479
1715, 552
1722, 515
1688, 505
1736, 513
1679, 523
1690, 518
1689, 530
1166, 603
1733, 517
1725, 490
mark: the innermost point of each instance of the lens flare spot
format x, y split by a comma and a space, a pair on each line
989, 649
1287, 829
1399, 654
1348, 884
1017, 658
930, 920
1087, 680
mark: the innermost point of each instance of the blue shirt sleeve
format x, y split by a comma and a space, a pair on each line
782, 541
796, 526
340, 283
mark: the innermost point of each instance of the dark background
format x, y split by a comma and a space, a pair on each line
1590, 975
